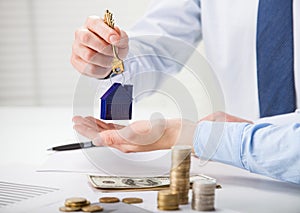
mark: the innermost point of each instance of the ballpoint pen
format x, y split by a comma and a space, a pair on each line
72, 146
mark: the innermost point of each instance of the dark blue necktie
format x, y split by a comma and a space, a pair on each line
275, 57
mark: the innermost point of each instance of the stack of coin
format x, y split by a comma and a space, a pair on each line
203, 195
180, 172
167, 200
79, 203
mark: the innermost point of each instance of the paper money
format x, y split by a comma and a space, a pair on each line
120, 182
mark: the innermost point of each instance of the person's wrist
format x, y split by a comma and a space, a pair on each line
183, 132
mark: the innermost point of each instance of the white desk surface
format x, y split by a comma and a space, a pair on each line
27, 132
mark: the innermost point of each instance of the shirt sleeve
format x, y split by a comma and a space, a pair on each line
162, 41
180, 19
169, 29
266, 149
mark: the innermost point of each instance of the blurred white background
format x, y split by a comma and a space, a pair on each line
37, 81
35, 48
36, 40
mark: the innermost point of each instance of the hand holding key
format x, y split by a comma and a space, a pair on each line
92, 53
117, 64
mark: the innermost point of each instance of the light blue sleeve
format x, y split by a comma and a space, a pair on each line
162, 41
180, 19
265, 149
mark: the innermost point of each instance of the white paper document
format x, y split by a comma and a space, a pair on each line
109, 161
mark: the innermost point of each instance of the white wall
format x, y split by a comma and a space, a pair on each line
35, 46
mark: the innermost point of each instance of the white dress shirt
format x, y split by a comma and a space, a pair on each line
228, 29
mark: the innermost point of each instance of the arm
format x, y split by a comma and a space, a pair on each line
169, 28
91, 54
266, 149
178, 19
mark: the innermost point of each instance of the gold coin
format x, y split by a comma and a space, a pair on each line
77, 204
183, 201
132, 200
76, 200
180, 181
166, 192
179, 174
168, 202
181, 159
180, 168
69, 209
92, 208
165, 199
166, 208
179, 188
109, 200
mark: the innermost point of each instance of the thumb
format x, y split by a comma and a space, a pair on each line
107, 138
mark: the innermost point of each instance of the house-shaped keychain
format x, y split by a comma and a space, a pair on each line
116, 103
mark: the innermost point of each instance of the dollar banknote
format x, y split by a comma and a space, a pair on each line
120, 182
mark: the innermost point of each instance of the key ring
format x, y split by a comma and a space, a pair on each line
113, 74
116, 103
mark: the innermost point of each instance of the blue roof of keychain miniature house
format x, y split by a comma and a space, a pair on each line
124, 92
116, 103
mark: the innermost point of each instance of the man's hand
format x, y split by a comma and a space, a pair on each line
145, 135
139, 136
91, 52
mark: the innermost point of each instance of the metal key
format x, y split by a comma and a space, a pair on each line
117, 64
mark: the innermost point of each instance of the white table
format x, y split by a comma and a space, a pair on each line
27, 132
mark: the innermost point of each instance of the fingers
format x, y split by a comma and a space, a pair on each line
112, 138
92, 52
101, 29
86, 127
88, 69
87, 38
95, 123
123, 41
104, 125
91, 56
86, 131
108, 138
83, 121
144, 132
139, 136
114, 36
91, 127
